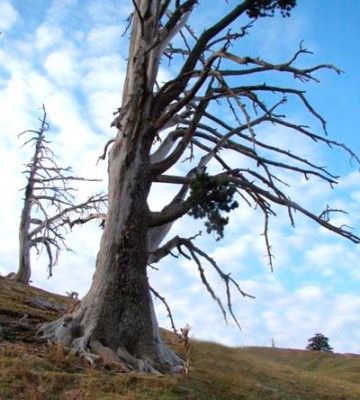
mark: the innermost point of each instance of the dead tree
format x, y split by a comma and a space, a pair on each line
49, 204
160, 124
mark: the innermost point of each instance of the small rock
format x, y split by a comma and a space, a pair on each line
45, 304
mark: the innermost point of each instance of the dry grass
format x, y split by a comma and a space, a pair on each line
35, 371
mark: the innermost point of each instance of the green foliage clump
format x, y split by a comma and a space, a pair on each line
209, 197
319, 343
266, 8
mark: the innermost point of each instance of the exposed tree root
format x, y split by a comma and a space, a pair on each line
69, 332
108, 356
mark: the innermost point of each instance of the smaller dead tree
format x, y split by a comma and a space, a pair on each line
49, 204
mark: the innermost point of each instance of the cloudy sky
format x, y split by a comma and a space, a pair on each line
71, 56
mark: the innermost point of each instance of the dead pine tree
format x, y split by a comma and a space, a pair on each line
49, 204
161, 124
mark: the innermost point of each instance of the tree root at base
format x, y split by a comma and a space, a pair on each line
108, 356
70, 334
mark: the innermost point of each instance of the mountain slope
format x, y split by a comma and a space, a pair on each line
30, 369
344, 367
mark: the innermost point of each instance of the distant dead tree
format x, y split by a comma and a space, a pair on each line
73, 295
185, 334
48, 204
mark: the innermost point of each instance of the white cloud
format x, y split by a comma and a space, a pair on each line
61, 67
288, 317
290, 30
232, 255
14, 101
100, 108
108, 13
48, 36
8, 15
310, 294
40, 88
60, 11
323, 255
290, 306
106, 72
104, 39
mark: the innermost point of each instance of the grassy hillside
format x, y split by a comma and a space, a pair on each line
344, 367
33, 370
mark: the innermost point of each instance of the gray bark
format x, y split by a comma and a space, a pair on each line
25, 243
48, 192
116, 318
24, 271
117, 314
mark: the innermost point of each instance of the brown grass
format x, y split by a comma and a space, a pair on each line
36, 371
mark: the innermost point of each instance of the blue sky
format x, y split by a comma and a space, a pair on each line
72, 58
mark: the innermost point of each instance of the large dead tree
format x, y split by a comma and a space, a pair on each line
49, 204
160, 124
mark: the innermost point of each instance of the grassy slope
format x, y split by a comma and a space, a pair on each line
31, 370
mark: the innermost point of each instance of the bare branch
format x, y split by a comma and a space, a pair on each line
241, 90
48, 193
163, 300
195, 252
280, 199
90, 217
171, 92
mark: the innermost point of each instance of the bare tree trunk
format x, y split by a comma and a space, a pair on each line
118, 310
48, 190
117, 316
24, 271
120, 297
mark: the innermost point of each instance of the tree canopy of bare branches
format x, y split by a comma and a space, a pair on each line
209, 115
49, 204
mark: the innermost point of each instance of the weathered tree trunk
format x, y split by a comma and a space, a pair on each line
116, 318
117, 315
24, 271
119, 306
